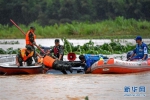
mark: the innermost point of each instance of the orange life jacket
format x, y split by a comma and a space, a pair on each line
28, 39
48, 61
23, 54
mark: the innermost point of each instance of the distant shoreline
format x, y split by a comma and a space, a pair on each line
119, 28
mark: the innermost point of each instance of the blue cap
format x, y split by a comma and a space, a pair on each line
138, 38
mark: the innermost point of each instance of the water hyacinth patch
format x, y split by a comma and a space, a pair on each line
114, 47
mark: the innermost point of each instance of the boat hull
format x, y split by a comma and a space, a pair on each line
119, 67
15, 70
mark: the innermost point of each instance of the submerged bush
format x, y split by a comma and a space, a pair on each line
88, 48
106, 48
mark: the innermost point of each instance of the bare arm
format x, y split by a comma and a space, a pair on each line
144, 56
38, 55
60, 56
132, 55
17, 61
61, 52
88, 70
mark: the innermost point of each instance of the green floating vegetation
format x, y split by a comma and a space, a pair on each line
9, 51
115, 47
106, 48
9, 42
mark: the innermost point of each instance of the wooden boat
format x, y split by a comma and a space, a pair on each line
119, 66
12, 69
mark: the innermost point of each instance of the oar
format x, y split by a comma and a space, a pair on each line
25, 34
64, 72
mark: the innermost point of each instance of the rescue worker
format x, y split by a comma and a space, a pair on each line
141, 50
56, 64
89, 60
58, 50
25, 55
30, 41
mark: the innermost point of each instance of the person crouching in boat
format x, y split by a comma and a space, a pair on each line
25, 55
89, 60
141, 50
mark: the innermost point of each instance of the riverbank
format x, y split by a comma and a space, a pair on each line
119, 28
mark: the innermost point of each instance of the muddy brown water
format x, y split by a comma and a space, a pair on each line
72, 87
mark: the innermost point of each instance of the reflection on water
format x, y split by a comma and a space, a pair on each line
72, 87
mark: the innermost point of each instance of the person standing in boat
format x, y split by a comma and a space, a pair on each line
141, 50
89, 60
25, 55
30, 41
58, 50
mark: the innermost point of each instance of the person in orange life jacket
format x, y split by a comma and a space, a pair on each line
30, 41
58, 50
25, 55
56, 64
141, 50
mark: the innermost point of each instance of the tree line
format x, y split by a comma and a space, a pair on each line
48, 12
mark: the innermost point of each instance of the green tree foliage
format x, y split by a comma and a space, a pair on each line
47, 12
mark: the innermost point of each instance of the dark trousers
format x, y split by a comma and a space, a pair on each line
61, 65
29, 61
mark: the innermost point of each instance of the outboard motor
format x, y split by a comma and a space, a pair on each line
129, 54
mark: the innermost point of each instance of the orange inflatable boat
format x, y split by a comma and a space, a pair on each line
119, 66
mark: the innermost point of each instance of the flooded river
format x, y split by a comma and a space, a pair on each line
75, 42
74, 87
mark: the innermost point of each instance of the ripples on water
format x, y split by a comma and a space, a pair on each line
71, 87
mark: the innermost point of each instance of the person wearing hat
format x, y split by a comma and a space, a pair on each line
141, 50
25, 55
58, 50
30, 40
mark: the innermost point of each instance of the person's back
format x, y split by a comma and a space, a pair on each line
91, 59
